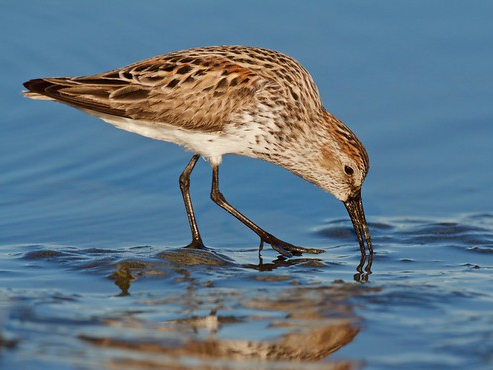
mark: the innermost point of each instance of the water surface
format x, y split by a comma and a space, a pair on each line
92, 274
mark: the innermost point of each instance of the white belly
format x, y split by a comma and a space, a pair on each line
211, 145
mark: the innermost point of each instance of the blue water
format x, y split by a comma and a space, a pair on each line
91, 218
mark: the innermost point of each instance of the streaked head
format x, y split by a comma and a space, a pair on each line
346, 164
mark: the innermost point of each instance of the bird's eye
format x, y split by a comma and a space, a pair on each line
349, 170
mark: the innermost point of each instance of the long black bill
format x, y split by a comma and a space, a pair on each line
354, 206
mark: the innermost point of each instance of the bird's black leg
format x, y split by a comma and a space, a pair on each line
184, 187
280, 246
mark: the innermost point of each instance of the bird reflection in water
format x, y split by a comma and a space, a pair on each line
313, 322
363, 270
291, 324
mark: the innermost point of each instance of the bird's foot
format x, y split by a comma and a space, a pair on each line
195, 244
286, 249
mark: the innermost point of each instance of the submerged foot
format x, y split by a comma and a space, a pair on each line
287, 249
195, 244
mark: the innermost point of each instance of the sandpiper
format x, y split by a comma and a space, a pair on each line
228, 100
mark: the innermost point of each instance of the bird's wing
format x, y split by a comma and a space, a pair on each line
199, 92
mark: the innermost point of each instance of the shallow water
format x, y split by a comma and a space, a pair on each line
425, 301
91, 219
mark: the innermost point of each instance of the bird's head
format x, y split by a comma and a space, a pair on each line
345, 164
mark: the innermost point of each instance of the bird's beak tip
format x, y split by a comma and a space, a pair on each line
354, 206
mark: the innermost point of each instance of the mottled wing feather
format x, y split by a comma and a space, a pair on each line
198, 93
